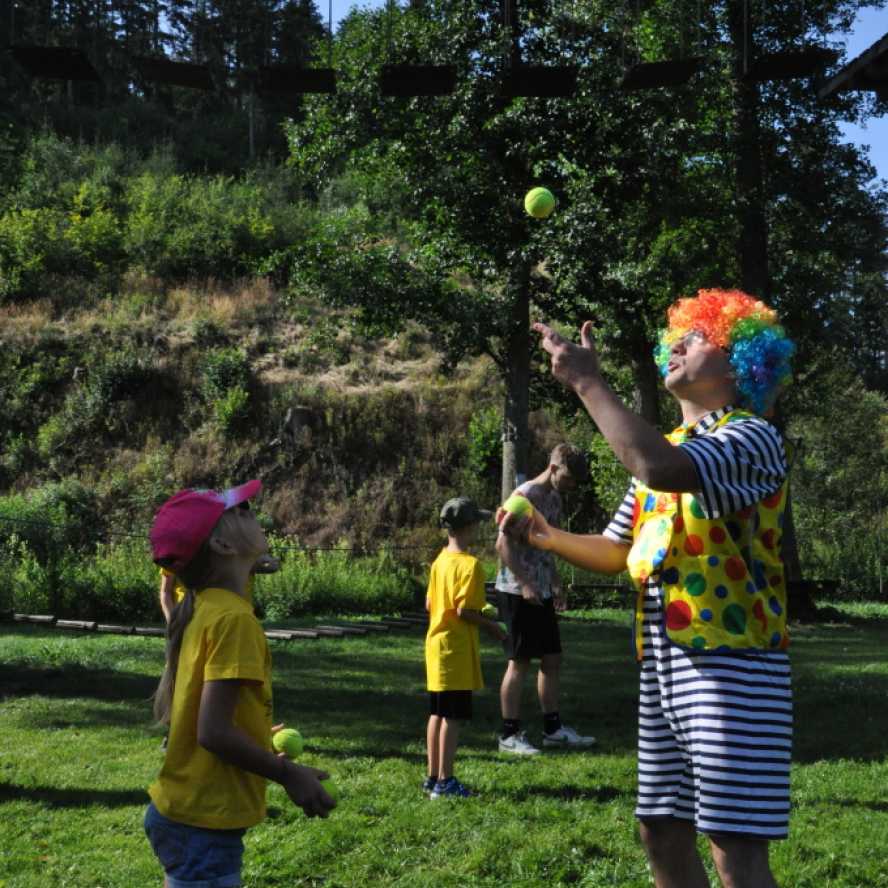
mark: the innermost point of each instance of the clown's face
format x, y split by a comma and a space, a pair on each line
697, 368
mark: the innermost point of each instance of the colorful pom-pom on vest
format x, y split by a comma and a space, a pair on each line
722, 578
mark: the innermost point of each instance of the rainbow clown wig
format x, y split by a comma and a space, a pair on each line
747, 329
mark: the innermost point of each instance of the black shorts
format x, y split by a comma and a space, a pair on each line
451, 704
533, 629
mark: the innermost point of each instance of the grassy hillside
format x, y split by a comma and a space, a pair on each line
112, 406
151, 391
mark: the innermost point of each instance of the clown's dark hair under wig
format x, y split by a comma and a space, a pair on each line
748, 330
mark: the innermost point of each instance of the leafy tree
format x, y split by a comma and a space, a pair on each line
660, 192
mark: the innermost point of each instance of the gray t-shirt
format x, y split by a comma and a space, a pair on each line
538, 565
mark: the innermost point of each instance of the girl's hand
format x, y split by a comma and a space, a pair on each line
532, 529
303, 785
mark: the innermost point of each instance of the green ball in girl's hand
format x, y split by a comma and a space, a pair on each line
489, 611
288, 741
518, 505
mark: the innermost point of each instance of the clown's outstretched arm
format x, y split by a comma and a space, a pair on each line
640, 447
587, 551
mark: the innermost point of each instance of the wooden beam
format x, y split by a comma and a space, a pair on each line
869, 71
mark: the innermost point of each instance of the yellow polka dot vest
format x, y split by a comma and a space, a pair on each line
722, 578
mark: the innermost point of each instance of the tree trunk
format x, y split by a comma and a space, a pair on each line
647, 383
753, 246
749, 189
517, 383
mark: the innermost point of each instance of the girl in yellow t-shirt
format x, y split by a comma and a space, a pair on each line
215, 693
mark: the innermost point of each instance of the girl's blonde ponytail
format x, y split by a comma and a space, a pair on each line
179, 620
196, 575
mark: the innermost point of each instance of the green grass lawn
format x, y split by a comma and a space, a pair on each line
78, 749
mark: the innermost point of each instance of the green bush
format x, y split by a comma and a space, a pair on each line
61, 220
117, 582
485, 442
108, 400
95, 236
181, 227
121, 376
223, 369
50, 172
335, 582
839, 482
42, 534
33, 246
40, 246
232, 410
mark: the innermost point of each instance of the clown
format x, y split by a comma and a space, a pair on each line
699, 532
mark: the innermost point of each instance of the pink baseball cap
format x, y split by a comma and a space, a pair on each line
185, 520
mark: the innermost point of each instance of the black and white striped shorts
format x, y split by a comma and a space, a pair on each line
714, 735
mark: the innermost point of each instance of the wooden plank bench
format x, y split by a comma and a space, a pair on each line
347, 630
289, 634
328, 633
151, 631
40, 619
372, 626
83, 625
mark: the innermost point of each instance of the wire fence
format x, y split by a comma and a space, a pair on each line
102, 535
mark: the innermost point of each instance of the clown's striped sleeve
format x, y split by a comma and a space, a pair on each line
738, 464
620, 528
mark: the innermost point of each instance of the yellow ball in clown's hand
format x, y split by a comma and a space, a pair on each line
288, 741
518, 505
539, 202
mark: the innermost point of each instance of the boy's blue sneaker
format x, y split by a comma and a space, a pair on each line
429, 784
449, 787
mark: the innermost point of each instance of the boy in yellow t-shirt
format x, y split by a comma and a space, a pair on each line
453, 664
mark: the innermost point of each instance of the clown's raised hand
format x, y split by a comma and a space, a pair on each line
572, 363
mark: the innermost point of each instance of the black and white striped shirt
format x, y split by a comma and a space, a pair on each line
738, 464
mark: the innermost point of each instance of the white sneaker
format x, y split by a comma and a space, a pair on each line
517, 744
567, 737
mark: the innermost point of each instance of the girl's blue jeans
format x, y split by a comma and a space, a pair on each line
193, 857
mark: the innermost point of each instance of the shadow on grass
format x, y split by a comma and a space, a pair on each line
75, 681
72, 798
601, 794
880, 807
373, 692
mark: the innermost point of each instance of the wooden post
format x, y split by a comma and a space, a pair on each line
517, 384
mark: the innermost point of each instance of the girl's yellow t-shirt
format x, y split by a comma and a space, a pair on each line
224, 640
453, 658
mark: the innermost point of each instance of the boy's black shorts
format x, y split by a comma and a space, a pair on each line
451, 704
533, 628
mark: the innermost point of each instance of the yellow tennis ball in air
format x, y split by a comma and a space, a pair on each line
518, 505
539, 202
288, 741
